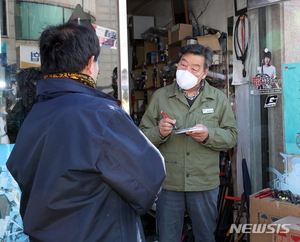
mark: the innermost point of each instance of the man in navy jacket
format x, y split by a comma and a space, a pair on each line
85, 170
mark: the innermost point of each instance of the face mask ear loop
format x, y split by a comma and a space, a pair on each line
200, 79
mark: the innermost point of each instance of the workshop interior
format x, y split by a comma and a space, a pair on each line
259, 191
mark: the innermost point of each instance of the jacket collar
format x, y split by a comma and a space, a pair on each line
52, 87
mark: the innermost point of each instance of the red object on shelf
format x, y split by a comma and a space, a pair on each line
264, 193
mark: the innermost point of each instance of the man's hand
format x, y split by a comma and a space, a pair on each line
199, 135
165, 126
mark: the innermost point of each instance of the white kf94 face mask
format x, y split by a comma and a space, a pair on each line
186, 80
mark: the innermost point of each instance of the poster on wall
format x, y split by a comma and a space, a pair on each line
291, 110
266, 80
107, 37
261, 3
11, 227
29, 56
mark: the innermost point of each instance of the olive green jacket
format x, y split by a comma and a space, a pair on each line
190, 165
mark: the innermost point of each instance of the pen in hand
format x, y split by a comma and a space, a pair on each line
166, 116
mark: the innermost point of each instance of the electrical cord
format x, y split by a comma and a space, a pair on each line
204, 9
241, 31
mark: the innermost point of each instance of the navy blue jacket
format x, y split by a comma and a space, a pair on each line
85, 170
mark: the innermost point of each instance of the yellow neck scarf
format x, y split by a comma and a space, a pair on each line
79, 77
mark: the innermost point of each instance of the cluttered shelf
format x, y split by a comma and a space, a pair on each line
144, 65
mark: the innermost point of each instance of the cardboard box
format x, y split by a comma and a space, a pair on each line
180, 31
175, 48
149, 47
169, 37
268, 210
139, 55
139, 94
210, 40
282, 235
141, 50
149, 79
229, 43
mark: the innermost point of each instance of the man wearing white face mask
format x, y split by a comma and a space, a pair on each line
191, 158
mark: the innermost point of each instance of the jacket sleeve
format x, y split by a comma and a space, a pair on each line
149, 122
225, 136
130, 164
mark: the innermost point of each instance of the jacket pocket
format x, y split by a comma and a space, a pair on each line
209, 123
174, 169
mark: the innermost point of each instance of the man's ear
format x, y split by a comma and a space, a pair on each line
205, 72
89, 68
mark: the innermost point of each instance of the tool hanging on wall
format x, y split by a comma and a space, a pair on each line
241, 39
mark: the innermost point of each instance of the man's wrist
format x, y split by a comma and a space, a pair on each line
204, 141
162, 137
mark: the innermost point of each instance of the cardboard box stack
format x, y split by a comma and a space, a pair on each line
288, 229
210, 40
180, 31
267, 211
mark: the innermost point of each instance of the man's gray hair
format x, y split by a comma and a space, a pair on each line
201, 50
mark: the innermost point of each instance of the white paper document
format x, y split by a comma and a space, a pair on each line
180, 131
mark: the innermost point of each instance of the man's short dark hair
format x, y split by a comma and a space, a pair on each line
114, 76
268, 54
201, 50
67, 48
